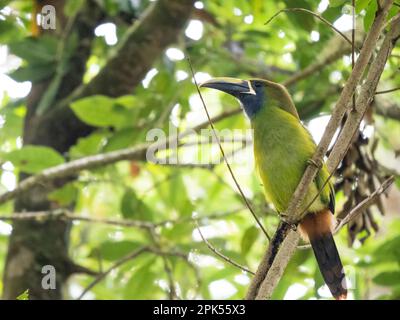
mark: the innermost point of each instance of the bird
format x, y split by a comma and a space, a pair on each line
283, 148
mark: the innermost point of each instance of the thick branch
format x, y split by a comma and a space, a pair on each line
366, 96
268, 259
141, 46
269, 274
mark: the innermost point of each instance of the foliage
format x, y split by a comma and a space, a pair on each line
235, 42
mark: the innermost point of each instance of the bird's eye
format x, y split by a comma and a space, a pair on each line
257, 84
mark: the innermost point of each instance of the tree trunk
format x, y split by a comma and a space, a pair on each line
35, 244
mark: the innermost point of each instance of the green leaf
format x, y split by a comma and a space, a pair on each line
3, 3
318, 281
336, 3
331, 14
370, 15
142, 284
132, 207
361, 5
33, 159
300, 19
65, 195
12, 114
248, 239
388, 251
38, 51
100, 111
129, 204
9, 30
397, 182
175, 195
33, 73
121, 139
88, 145
389, 278
114, 250
72, 7
128, 101
393, 11
24, 295
256, 6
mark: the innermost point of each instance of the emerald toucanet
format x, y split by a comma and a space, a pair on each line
282, 150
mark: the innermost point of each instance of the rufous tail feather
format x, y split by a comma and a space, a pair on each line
317, 227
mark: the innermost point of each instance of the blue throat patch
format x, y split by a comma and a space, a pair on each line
253, 103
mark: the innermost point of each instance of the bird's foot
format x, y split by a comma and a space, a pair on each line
317, 164
285, 218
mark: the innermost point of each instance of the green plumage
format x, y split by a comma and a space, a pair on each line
282, 150
282, 147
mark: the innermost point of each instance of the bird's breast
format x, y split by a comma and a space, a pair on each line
282, 147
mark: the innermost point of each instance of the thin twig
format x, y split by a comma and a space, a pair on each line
315, 15
129, 257
359, 208
125, 259
219, 254
67, 215
223, 155
387, 91
167, 268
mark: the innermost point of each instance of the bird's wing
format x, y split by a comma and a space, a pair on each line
328, 193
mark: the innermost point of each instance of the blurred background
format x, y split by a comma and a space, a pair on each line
91, 77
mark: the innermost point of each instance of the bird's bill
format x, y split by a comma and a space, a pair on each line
232, 86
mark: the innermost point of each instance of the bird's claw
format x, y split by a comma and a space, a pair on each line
285, 219
315, 163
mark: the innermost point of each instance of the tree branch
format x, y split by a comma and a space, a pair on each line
366, 96
359, 208
68, 215
222, 256
387, 91
140, 47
